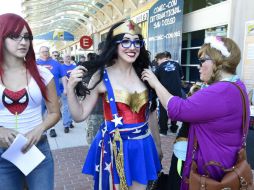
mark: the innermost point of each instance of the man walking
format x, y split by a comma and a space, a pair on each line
169, 74
56, 69
67, 67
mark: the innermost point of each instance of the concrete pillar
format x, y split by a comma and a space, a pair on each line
96, 41
241, 11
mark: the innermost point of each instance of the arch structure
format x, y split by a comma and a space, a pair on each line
78, 17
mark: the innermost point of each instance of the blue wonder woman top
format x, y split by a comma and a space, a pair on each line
123, 149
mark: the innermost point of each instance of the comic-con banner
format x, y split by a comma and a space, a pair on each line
165, 28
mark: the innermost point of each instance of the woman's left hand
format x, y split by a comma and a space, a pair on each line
149, 76
33, 137
7, 136
75, 77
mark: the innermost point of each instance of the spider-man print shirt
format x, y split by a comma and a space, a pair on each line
21, 110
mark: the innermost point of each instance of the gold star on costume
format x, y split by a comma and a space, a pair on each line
135, 100
128, 27
138, 100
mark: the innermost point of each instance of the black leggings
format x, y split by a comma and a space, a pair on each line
174, 182
163, 119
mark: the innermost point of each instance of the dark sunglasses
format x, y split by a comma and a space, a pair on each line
202, 60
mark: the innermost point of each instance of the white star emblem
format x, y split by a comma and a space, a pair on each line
108, 166
100, 143
106, 79
111, 99
103, 131
117, 120
137, 131
97, 168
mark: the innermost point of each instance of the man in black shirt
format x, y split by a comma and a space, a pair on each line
169, 74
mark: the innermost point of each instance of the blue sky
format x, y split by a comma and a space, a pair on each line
10, 6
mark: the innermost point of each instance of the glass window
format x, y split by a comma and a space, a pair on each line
194, 57
193, 5
193, 74
99, 5
184, 40
104, 36
184, 57
197, 38
217, 31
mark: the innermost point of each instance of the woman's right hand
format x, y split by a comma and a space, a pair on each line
7, 136
76, 76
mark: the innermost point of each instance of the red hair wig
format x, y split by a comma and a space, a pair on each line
14, 24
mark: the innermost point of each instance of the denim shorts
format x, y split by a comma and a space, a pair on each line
41, 178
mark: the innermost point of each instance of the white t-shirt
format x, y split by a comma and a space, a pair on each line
21, 110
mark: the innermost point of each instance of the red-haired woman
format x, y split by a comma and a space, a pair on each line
23, 85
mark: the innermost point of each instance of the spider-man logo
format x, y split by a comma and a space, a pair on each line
15, 102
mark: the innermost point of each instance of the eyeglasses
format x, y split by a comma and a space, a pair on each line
44, 51
17, 37
127, 43
56, 55
202, 60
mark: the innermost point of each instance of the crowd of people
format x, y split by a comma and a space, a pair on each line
126, 105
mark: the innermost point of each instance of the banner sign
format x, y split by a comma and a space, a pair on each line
140, 17
248, 56
165, 28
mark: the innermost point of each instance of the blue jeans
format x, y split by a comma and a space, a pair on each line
66, 115
41, 178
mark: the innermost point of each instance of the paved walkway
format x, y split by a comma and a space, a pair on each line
69, 152
76, 137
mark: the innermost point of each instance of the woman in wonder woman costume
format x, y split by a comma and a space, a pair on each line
123, 155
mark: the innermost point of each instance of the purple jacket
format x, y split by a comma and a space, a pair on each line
215, 114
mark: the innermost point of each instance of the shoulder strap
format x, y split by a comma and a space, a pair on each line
111, 96
116, 119
244, 120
